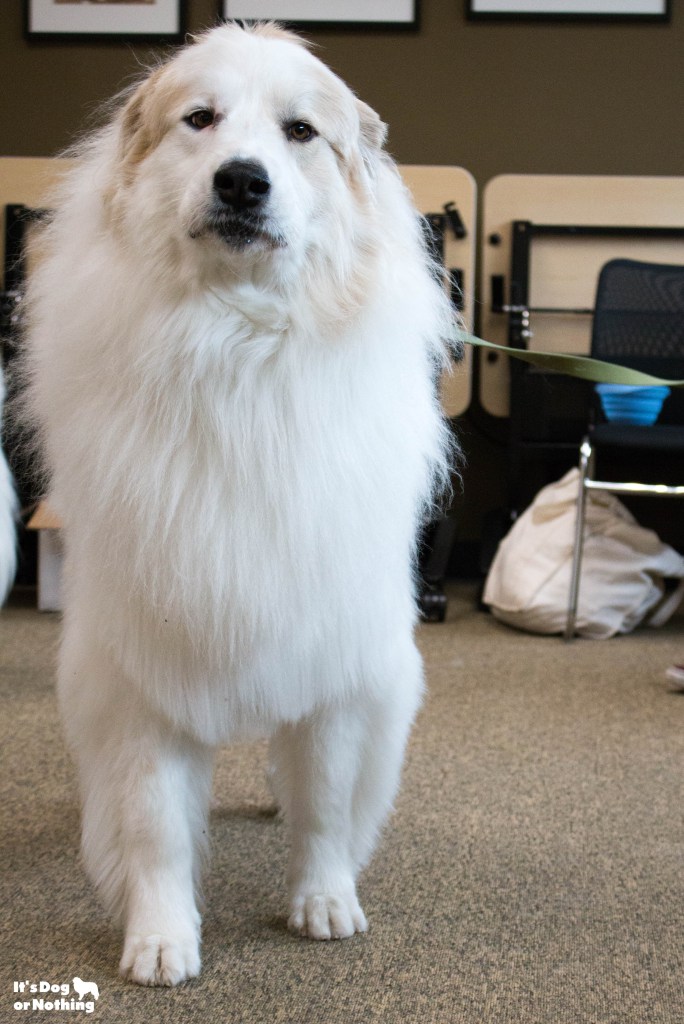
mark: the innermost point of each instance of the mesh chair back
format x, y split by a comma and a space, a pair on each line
639, 311
639, 321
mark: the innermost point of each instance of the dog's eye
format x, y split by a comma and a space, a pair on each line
300, 131
200, 119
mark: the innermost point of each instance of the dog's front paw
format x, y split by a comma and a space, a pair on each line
160, 959
326, 916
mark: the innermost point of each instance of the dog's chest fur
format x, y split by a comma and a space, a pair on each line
258, 510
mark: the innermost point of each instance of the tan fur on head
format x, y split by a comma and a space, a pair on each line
142, 122
153, 111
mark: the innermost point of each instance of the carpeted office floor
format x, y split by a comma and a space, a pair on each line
533, 871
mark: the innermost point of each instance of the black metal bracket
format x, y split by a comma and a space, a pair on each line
455, 220
435, 228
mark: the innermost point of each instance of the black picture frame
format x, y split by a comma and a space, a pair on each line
615, 11
277, 10
131, 23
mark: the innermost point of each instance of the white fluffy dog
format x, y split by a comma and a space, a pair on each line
233, 343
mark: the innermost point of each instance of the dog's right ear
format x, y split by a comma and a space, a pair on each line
141, 125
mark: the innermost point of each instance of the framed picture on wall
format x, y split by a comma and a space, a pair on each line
395, 14
105, 19
587, 10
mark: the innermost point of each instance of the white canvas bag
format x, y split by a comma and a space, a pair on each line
623, 567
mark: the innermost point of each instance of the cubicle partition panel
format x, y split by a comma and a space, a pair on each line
447, 197
25, 185
544, 241
559, 282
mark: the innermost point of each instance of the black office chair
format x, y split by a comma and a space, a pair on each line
638, 322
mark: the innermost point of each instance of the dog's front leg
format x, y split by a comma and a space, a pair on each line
335, 775
145, 792
316, 764
163, 818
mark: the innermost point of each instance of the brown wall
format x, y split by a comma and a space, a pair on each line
507, 97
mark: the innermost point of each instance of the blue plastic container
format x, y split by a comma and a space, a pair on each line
626, 403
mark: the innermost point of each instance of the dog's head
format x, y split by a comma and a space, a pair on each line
246, 143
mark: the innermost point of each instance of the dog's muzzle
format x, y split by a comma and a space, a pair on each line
239, 213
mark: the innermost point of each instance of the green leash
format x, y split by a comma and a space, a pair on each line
576, 366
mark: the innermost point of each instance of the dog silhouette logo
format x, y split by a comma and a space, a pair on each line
82, 987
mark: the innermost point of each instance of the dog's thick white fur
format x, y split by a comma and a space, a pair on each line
8, 511
233, 344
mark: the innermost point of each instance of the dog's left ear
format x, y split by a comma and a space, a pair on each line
373, 130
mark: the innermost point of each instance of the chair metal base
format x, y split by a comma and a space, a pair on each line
586, 484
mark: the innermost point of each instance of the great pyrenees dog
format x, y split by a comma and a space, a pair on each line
234, 333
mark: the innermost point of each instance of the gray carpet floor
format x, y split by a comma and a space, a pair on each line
533, 871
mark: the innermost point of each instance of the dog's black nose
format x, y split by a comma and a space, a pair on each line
242, 184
